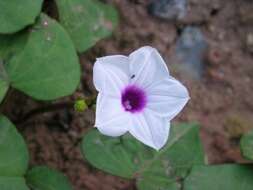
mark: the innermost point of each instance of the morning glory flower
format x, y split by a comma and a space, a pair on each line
137, 95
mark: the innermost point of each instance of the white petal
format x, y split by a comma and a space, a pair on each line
147, 66
111, 74
167, 98
150, 129
111, 119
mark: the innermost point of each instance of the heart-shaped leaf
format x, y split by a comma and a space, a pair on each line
14, 155
15, 15
44, 178
247, 145
87, 21
13, 183
128, 158
48, 67
14, 163
223, 177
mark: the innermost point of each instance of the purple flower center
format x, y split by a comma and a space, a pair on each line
133, 99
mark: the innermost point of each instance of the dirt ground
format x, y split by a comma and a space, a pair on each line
221, 100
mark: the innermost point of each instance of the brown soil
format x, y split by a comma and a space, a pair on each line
221, 101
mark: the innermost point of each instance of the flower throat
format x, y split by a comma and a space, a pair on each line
133, 99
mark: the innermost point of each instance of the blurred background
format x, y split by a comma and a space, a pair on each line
207, 44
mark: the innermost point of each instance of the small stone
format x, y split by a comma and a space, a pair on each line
215, 74
190, 50
249, 42
216, 56
168, 9
246, 13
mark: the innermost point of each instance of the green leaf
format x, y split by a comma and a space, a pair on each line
48, 66
87, 21
12, 44
15, 15
223, 177
247, 145
4, 84
3, 88
153, 170
13, 150
13, 183
44, 178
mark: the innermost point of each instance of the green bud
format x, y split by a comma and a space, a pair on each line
80, 105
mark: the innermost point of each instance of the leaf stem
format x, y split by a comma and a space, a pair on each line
54, 107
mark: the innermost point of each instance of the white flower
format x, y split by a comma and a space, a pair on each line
137, 95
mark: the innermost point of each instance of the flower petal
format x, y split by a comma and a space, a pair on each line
167, 97
111, 74
150, 129
147, 66
111, 119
